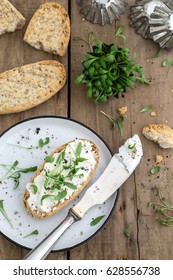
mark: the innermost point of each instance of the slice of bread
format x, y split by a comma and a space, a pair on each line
49, 29
10, 18
28, 86
81, 162
159, 133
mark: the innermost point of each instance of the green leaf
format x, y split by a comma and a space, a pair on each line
56, 186
35, 232
49, 159
46, 182
29, 169
15, 164
78, 149
60, 195
80, 160
167, 62
73, 172
42, 143
34, 188
120, 30
127, 230
44, 197
70, 185
146, 108
119, 33
3, 212
87, 63
79, 79
60, 157
119, 121
155, 170
96, 220
131, 146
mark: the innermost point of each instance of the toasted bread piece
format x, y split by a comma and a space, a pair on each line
10, 18
86, 167
159, 133
28, 86
49, 29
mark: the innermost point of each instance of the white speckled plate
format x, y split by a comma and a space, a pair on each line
27, 134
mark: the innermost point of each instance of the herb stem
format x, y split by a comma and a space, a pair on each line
3, 212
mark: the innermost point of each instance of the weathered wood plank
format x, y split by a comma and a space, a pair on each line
110, 243
15, 52
147, 240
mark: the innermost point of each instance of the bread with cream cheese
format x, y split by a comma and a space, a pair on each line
80, 156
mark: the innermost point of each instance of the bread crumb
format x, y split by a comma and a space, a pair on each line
159, 133
153, 114
158, 159
122, 110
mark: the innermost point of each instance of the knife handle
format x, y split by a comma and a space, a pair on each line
41, 251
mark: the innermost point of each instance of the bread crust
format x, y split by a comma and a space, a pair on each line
18, 19
159, 133
20, 89
40, 42
60, 205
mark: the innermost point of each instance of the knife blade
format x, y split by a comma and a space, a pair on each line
116, 173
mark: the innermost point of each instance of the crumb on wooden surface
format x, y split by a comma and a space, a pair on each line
152, 114
159, 158
122, 110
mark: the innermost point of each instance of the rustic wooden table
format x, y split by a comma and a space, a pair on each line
148, 239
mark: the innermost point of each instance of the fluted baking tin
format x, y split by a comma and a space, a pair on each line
102, 11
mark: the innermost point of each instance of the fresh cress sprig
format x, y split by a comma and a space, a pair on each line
118, 121
14, 172
165, 209
109, 70
3, 212
34, 232
41, 143
56, 180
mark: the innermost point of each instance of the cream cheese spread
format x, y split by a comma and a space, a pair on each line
62, 176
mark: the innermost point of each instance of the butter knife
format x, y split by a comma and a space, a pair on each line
116, 173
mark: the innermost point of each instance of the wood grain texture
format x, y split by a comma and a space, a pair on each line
148, 239
15, 52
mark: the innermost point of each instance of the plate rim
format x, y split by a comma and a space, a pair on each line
117, 192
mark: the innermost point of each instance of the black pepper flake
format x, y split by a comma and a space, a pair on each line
37, 130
